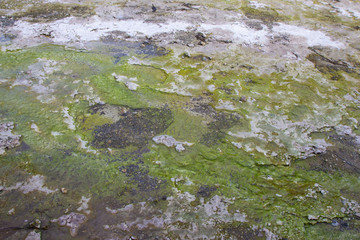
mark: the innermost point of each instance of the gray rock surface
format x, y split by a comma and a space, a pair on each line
8, 140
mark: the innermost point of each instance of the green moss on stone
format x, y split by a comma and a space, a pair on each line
53, 11
267, 14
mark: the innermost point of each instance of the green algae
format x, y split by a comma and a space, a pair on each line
217, 128
343, 231
113, 92
254, 180
14, 103
90, 122
325, 16
328, 16
191, 74
248, 184
148, 75
267, 15
181, 127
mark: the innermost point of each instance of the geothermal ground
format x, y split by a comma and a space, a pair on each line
216, 119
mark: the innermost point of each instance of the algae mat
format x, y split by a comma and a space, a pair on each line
179, 119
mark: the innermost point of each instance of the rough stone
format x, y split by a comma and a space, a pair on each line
169, 141
8, 140
35, 183
72, 221
135, 127
33, 235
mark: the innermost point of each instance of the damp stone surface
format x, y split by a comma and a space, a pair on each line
186, 119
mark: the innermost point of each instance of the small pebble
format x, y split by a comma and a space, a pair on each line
35, 224
11, 212
153, 8
243, 99
64, 190
335, 223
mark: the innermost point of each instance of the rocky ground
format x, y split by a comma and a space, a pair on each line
179, 119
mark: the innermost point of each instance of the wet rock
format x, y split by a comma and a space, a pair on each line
298, 112
250, 182
151, 49
35, 183
243, 99
72, 221
200, 36
189, 6
6, 38
169, 141
202, 43
340, 224
266, 14
131, 86
135, 127
23, 147
140, 176
201, 58
341, 155
246, 66
324, 64
35, 224
351, 207
201, 106
153, 8
312, 217
314, 150
243, 231
42, 223
84, 205
187, 38
118, 45
334, 160
207, 218
185, 55
11, 212
254, 25
8, 140
335, 223
6, 21
328, 65
222, 121
205, 191
34, 235
54, 11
